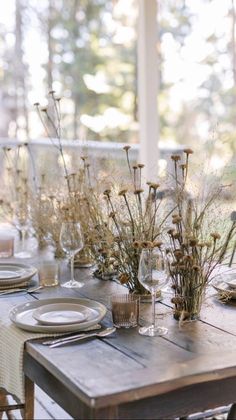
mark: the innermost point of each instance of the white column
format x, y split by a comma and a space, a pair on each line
148, 87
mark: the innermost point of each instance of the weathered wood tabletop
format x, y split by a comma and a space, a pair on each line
126, 375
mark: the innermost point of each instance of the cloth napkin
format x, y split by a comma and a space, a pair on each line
12, 341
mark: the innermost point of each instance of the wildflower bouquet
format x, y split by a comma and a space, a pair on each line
133, 219
198, 240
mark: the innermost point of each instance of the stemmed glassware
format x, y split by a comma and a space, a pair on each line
22, 224
152, 275
71, 240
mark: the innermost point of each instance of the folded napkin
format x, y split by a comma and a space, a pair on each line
12, 341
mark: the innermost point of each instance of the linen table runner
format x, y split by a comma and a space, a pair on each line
12, 341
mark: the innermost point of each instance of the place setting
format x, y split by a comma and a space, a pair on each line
57, 315
225, 285
15, 276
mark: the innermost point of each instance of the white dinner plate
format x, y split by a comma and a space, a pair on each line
22, 315
17, 273
7, 273
222, 286
231, 283
61, 314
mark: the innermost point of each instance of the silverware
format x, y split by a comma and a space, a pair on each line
67, 335
74, 339
16, 290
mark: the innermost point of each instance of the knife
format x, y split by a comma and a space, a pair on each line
69, 335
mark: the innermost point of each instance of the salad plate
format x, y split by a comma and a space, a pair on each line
61, 314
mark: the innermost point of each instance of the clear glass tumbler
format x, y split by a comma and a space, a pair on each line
125, 310
48, 273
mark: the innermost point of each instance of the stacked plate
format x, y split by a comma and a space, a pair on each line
57, 315
15, 275
226, 283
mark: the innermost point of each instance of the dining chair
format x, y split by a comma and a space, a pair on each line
27, 408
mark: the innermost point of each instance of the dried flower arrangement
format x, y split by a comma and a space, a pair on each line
131, 217
46, 219
115, 227
15, 197
65, 203
198, 240
132, 224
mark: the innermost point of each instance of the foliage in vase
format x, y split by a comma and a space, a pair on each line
198, 240
132, 217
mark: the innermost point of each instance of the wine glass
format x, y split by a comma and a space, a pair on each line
152, 275
22, 223
71, 240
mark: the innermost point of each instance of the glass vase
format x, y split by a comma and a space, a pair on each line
188, 306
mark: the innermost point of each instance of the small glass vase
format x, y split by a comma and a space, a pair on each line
105, 269
187, 308
147, 297
58, 251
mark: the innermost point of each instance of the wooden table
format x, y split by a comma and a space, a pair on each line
130, 376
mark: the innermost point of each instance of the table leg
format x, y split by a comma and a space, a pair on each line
28, 411
232, 412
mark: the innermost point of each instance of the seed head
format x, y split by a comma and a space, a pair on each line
107, 192
123, 192
126, 148
193, 241
138, 191
178, 253
177, 300
215, 235
188, 151
154, 186
146, 244
124, 278
175, 157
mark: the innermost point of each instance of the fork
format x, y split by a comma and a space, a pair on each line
11, 291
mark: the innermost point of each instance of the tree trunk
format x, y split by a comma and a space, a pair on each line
50, 45
20, 84
233, 51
